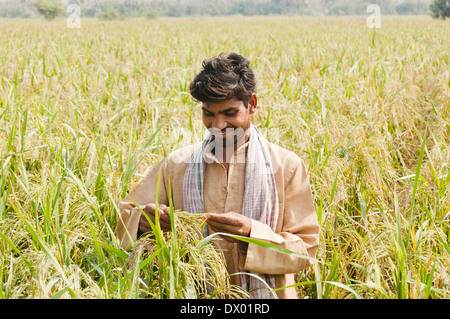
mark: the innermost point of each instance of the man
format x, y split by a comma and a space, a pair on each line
243, 184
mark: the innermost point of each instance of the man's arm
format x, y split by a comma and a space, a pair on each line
300, 232
144, 193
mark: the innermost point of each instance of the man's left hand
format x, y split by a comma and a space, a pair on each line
231, 223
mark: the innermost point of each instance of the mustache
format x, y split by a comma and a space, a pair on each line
227, 128
213, 130
227, 133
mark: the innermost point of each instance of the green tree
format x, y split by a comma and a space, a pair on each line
151, 14
440, 8
50, 10
109, 13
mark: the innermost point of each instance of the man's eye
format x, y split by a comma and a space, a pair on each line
231, 114
207, 113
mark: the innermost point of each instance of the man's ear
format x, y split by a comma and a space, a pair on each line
253, 104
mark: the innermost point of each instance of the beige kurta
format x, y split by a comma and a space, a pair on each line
297, 228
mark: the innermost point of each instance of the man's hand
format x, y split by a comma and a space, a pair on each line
164, 218
231, 223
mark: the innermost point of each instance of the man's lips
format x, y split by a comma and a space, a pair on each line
226, 132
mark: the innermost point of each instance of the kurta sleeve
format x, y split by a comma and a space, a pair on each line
143, 193
299, 233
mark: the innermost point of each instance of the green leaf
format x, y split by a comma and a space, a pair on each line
44, 247
119, 253
257, 242
10, 243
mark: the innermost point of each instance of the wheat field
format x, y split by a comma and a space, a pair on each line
84, 113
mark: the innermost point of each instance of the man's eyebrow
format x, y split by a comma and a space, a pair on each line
224, 111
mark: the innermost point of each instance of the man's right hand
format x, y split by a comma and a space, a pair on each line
164, 218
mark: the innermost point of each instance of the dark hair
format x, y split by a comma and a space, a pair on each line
224, 77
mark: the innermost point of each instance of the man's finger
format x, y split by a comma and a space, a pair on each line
224, 219
165, 225
144, 228
164, 221
144, 225
163, 211
150, 209
164, 207
221, 227
163, 216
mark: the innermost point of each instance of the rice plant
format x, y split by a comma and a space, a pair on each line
85, 112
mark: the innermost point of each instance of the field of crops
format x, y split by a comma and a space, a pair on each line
85, 111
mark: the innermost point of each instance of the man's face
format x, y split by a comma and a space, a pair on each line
229, 119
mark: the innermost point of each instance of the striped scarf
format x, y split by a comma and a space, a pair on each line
260, 196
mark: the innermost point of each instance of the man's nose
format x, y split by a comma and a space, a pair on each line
219, 123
